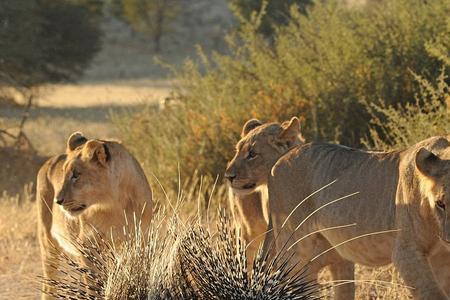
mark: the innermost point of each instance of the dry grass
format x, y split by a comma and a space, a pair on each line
19, 250
20, 258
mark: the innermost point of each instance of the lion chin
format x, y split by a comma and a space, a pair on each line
74, 212
245, 190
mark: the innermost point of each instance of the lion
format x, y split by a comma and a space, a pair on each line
249, 206
97, 186
398, 216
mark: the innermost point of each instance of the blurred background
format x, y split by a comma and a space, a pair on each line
175, 81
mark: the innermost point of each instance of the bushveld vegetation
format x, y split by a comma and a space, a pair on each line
396, 127
334, 66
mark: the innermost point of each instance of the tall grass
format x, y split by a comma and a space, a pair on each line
19, 250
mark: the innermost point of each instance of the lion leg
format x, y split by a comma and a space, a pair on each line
48, 268
314, 256
343, 273
49, 250
408, 260
440, 264
248, 213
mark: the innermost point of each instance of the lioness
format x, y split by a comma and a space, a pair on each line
405, 190
249, 206
96, 185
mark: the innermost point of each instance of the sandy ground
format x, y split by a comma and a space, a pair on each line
86, 107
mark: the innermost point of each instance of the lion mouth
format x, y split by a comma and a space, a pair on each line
249, 186
77, 209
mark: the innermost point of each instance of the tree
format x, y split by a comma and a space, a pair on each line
45, 41
276, 11
148, 16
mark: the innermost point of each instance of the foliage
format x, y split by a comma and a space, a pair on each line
322, 66
397, 127
276, 12
46, 41
149, 16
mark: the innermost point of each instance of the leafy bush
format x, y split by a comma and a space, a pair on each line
321, 66
397, 127
402, 126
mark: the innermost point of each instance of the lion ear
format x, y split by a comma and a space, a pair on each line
96, 151
291, 130
428, 163
249, 126
75, 140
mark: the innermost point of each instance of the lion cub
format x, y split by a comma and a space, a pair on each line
96, 185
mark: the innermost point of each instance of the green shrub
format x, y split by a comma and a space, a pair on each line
322, 66
397, 127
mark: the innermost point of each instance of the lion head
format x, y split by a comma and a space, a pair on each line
261, 145
98, 174
434, 179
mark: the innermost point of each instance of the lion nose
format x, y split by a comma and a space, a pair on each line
59, 199
230, 176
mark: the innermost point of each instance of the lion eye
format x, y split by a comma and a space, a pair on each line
251, 154
440, 204
75, 175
